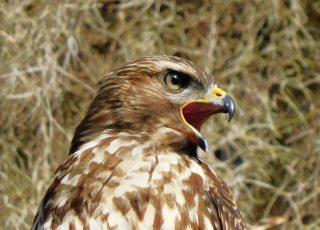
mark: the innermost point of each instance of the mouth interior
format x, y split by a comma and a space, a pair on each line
197, 112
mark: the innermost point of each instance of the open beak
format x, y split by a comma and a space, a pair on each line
194, 113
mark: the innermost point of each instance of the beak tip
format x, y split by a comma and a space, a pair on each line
231, 114
229, 104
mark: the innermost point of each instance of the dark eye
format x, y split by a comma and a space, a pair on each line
175, 80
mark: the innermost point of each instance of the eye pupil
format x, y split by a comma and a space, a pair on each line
175, 80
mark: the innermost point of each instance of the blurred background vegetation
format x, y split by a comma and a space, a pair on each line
265, 53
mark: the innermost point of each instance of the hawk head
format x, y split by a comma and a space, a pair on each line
155, 92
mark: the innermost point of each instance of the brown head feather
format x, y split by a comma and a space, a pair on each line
133, 98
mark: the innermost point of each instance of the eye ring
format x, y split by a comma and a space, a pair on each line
175, 81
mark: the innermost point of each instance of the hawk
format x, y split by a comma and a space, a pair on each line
133, 162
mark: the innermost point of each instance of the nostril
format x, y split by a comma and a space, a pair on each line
218, 94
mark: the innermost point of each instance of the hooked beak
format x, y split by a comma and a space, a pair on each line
196, 112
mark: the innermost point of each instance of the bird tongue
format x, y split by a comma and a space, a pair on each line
197, 112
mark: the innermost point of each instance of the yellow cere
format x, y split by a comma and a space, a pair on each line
217, 92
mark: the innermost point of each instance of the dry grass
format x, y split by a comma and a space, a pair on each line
266, 53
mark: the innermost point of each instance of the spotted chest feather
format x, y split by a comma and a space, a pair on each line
123, 183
